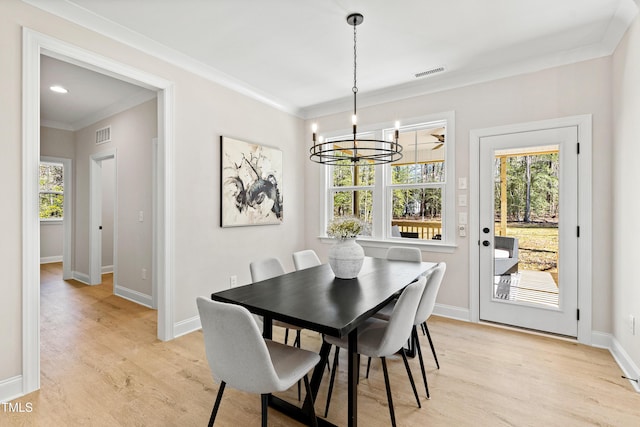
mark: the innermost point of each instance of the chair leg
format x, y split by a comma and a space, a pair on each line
265, 405
389, 398
368, 366
423, 326
296, 343
433, 350
333, 377
413, 384
414, 337
286, 335
216, 406
313, 421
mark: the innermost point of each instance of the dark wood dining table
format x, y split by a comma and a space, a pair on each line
315, 299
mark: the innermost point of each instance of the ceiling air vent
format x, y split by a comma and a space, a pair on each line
430, 72
103, 135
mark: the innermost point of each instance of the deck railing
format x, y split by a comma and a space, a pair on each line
427, 230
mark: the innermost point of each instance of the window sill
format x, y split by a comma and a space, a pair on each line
51, 221
423, 245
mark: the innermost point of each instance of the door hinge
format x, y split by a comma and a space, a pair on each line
578, 231
578, 314
578, 144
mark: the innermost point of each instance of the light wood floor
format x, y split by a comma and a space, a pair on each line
103, 366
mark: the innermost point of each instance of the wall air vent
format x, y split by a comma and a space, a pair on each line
103, 135
430, 72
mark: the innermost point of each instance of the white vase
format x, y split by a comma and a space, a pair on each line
346, 258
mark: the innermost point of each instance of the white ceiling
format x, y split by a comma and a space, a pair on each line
298, 54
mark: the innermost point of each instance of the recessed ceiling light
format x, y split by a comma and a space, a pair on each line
58, 89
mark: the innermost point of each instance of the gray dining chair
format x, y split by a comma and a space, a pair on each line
401, 253
425, 309
266, 269
238, 356
379, 338
305, 259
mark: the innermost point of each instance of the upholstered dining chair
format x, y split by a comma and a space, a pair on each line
425, 309
305, 259
401, 253
379, 338
239, 357
266, 269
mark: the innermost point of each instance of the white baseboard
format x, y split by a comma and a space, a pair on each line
626, 364
135, 296
50, 259
11, 388
107, 269
452, 312
186, 326
80, 277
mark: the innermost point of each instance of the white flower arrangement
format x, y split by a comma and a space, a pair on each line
345, 228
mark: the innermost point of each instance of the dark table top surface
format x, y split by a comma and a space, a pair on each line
314, 299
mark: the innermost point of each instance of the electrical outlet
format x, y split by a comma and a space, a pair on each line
462, 230
631, 324
233, 281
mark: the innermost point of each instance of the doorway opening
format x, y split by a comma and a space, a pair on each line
34, 45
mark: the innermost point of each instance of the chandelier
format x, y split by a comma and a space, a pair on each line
355, 150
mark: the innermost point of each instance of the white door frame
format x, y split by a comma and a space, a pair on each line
95, 216
67, 218
33, 45
583, 123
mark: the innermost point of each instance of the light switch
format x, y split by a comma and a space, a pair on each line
462, 200
462, 183
140, 216
462, 218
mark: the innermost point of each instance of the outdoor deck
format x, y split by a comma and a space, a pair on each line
527, 286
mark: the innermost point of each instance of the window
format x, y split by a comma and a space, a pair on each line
410, 200
51, 191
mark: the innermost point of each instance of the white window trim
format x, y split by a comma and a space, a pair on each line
381, 221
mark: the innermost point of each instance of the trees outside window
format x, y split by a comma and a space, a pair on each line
51, 191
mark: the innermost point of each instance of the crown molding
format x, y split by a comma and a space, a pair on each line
620, 22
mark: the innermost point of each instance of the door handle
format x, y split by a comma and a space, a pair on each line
485, 243
99, 227
486, 230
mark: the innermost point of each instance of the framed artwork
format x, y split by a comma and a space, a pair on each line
251, 184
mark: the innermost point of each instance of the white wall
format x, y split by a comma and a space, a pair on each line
582, 88
205, 255
626, 201
108, 200
132, 132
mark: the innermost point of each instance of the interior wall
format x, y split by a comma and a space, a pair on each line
108, 199
582, 88
205, 255
626, 204
132, 132
54, 143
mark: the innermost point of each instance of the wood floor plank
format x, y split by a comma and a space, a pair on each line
101, 365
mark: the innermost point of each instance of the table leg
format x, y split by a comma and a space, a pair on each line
352, 370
